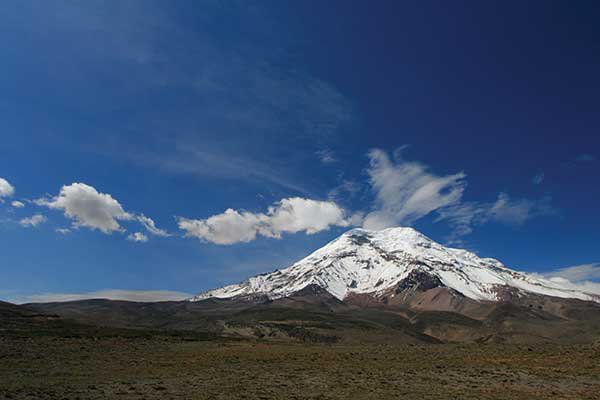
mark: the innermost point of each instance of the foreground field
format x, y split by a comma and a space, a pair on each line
176, 368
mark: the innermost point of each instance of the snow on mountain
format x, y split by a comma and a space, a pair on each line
374, 262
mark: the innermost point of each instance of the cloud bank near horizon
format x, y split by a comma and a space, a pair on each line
583, 277
109, 294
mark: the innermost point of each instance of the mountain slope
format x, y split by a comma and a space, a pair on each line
393, 262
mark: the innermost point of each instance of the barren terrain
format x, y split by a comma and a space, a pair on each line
185, 368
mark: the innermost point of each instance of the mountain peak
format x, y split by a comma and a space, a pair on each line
398, 231
377, 262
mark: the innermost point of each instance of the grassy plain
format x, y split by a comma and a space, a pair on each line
171, 367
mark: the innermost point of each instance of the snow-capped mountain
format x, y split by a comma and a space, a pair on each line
379, 262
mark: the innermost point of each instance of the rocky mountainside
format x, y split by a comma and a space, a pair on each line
400, 266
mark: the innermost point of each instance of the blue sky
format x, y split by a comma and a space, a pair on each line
475, 123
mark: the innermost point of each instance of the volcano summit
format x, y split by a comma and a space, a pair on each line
385, 264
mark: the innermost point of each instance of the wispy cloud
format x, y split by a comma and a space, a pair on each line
151, 227
466, 216
240, 97
208, 161
538, 178
517, 211
406, 191
347, 189
110, 294
326, 156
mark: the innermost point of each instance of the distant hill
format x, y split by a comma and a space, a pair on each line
16, 319
25, 321
314, 315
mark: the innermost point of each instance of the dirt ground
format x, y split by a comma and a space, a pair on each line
171, 368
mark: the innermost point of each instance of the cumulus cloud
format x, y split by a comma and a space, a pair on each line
227, 228
297, 214
88, 208
17, 204
33, 221
289, 215
63, 231
137, 237
406, 191
6, 189
110, 294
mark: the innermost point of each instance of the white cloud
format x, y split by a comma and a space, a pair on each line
227, 228
33, 221
406, 191
110, 294
150, 226
289, 215
17, 204
577, 273
578, 277
6, 189
137, 237
63, 231
583, 286
297, 214
88, 208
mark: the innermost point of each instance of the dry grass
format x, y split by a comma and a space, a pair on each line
171, 368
